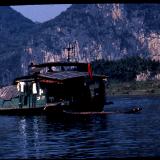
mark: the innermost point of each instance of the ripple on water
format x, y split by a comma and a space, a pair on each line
116, 135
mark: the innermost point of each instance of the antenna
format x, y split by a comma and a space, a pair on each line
68, 51
71, 51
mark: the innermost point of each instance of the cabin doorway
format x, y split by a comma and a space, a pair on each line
28, 94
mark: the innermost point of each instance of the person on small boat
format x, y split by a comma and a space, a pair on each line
134, 110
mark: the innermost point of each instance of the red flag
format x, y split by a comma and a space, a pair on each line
90, 71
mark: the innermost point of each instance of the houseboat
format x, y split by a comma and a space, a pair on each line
55, 87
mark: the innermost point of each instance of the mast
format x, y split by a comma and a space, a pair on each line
69, 49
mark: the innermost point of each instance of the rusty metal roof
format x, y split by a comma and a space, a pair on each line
8, 92
63, 75
60, 76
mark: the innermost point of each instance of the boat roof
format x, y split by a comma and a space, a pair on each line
8, 92
81, 67
64, 75
49, 64
60, 76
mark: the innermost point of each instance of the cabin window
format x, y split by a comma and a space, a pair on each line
40, 91
34, 88
94, 88
40, 95
69, 68
20, 86
105, 81
57, 68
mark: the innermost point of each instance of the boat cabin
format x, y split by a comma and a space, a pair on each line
64, 86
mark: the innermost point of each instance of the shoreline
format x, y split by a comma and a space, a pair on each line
135, 95
147, 88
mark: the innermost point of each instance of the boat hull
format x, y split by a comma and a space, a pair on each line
46, 110
21, 111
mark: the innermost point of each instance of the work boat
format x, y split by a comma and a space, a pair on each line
55, 87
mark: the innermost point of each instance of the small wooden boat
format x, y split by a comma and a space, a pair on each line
51, 88
134, 110
130, 111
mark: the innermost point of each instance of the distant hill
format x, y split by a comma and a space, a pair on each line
14, 30
109, 31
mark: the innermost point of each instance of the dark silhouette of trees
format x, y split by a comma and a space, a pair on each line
125, 69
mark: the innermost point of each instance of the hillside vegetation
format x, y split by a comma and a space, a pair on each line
133, 88
125, 70
100, 31
122, 76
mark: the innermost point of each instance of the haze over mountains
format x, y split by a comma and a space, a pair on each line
109, 31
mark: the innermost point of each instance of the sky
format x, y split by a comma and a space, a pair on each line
41, 13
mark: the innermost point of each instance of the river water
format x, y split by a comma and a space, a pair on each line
96, 136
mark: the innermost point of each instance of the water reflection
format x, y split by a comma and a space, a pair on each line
36, 137
23, 134
117, 135
77, 134
59, 138
29, 135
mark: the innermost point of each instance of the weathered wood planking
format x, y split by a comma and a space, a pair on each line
9, 92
